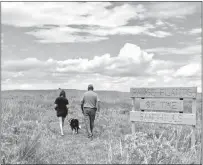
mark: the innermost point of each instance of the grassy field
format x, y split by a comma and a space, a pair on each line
30, 133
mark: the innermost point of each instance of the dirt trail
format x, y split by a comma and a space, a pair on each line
73, 148
78, 145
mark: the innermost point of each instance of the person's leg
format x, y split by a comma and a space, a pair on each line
92, 118
87, 121
61, 125
77, 127
63, 118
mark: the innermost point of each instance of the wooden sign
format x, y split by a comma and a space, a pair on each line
165, 105
181, 92
159, 102
161, 117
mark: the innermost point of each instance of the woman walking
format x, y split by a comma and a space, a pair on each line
61, 107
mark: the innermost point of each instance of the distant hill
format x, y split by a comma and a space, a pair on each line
100, 92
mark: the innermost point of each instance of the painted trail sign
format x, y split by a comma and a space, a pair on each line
162, 117
181, 92
167, 105
161, 99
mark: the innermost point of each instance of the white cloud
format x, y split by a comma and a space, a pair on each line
192, 49
87, 13
159, 34
61, 35
26, 86
192, 69
18, 74
100, 82
68, 34
156, 66
160, 22
119, 30
130, 62
21, 65
131, 67
102, 21
198, 40
90, 13
167, 79
164, 24
151, 80
165, 72
166, 10
92, 34
195, 31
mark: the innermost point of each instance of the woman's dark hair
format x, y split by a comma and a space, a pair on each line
62, 93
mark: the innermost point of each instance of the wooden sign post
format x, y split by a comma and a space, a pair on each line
151, 100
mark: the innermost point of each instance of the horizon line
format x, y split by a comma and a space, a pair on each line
57, 89
72, 89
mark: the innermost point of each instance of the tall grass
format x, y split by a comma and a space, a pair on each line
30, 133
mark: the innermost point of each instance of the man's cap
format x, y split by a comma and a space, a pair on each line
90, 86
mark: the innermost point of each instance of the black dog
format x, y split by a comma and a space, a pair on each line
74, 124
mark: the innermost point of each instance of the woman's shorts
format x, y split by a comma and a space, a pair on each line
62, 114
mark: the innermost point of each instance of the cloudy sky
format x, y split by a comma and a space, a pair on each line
113, 45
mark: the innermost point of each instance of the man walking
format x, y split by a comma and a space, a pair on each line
89, 106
